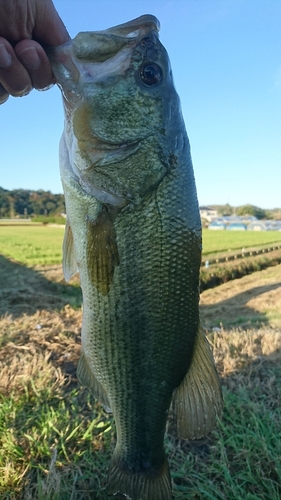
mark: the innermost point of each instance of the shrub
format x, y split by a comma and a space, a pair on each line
49, 220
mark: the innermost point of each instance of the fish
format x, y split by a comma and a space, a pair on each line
133, 233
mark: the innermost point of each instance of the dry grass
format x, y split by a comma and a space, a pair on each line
45, 343
250, 302
56, 441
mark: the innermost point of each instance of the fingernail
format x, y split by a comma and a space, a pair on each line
23, 92
3, 98
5, 57
46, 88
30, 58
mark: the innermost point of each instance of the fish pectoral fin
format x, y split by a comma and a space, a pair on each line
69, 263
197, 402
102, 251
88, 379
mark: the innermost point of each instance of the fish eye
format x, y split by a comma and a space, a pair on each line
151, 74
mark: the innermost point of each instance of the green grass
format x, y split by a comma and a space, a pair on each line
32, 245
49, 220
56, 442
224, 241
39, 426
243, 462
42, 245
220, 273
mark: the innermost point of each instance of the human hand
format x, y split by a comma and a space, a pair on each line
26, 25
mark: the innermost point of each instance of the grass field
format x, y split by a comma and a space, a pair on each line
32, 245
42, 245
56, 441
223, 241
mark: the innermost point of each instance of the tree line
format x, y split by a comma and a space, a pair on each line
27, 203
258, 212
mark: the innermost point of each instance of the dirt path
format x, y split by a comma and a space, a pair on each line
251, 301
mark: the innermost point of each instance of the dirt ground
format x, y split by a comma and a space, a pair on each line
40, 316
251, 301
40, 313
40, 326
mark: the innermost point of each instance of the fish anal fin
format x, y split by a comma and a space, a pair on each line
69, 263
102, 251
197, 402
138, 484
88, 379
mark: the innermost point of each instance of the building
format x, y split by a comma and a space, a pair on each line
208, 213
243, 223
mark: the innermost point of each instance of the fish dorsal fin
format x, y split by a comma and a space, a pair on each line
197, 402
69, 263
88, 379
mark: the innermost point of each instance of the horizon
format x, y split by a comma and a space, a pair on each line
210, 205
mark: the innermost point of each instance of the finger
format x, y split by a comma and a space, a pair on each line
13, 76
34, 59
4, 96
49, 28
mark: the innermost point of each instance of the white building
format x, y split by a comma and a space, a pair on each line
208, 213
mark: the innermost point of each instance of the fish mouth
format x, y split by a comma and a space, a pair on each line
99, 46
94, 56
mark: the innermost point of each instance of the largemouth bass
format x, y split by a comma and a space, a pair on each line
133, 232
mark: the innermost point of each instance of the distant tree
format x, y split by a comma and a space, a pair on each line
269, 214
11, 200
276, 214
259, 213
50, 206
225, 209
4, 203
21, 202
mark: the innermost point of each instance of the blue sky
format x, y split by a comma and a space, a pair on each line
226, 60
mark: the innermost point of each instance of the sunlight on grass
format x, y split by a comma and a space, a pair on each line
42, 245
32, 245
56, 441
224, 241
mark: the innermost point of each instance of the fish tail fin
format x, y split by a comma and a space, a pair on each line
197, 402
137, 484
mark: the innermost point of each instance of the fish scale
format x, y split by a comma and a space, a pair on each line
133, 232
151, 319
